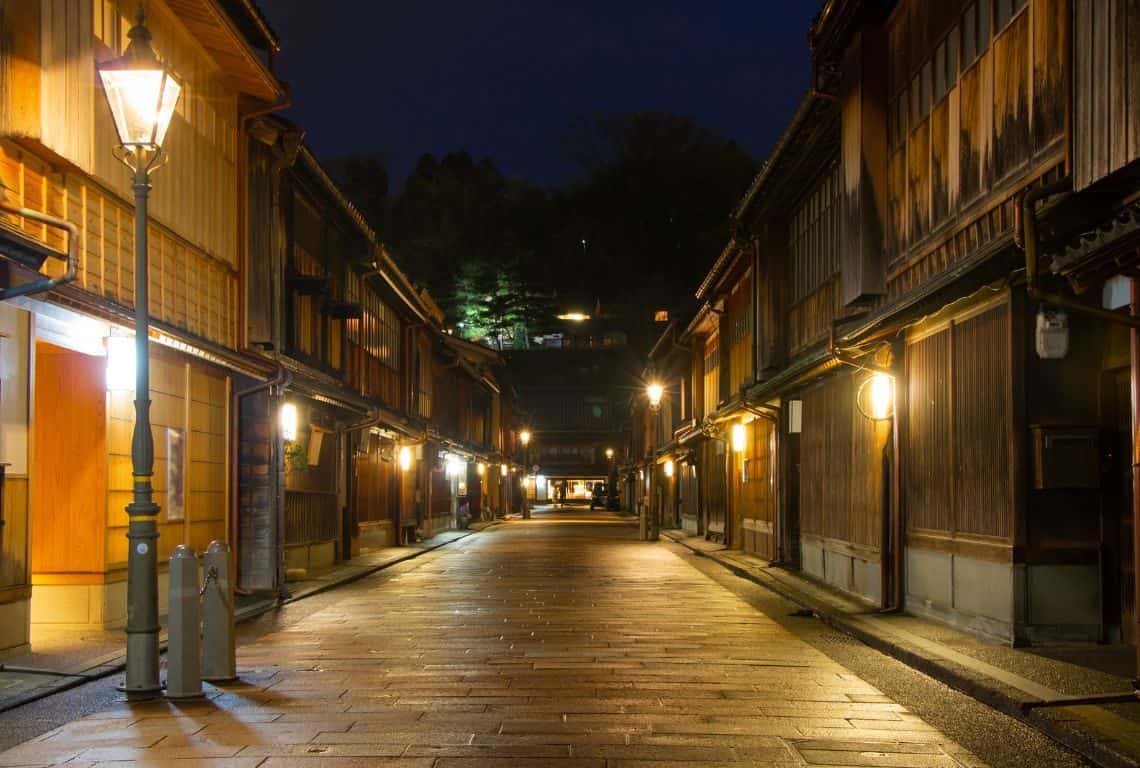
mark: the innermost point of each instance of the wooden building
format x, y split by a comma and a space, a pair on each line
937, 375
67, 414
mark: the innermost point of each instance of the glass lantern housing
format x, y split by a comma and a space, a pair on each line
140, 91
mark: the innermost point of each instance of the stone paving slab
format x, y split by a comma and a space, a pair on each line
533, 644
62, 659
997, 674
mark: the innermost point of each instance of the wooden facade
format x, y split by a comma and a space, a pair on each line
267, 288
879, 240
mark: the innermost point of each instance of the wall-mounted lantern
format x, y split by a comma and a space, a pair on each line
405, 458
288, 421
668, 468
739, 438
876, 397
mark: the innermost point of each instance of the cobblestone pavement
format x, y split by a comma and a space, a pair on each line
560, 641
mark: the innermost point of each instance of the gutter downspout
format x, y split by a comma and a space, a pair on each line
46, 284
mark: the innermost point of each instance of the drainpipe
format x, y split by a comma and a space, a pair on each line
47, 283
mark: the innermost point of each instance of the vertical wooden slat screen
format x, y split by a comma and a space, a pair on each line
982, 424
840, 465
927, 486
712, 374
1106, 88
740, 322
960, 120
191, 290
957, 439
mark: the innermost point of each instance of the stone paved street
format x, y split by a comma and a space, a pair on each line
560, 641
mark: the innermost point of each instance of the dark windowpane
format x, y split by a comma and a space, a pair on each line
969, 35
927, 74
940, 71
915, 101
1002, 12
952, 58
983, 28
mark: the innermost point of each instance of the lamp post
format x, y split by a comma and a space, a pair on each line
142, 95
655, 391
524, 438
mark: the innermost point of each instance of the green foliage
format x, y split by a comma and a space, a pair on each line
640, 226
493, 305
296, 457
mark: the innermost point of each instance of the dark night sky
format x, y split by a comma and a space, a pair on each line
506, 79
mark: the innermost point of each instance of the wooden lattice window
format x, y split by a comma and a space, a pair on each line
815, 236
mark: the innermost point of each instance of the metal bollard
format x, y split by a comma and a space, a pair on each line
218, 662
183, 663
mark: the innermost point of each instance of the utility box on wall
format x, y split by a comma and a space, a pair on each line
1065, 457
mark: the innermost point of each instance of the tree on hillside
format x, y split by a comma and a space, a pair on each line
364, 179
656, 194
493, 305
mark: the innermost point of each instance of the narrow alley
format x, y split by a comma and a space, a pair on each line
561, 640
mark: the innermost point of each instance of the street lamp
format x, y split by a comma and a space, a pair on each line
609, 453
655, 392
524, 438
142, 95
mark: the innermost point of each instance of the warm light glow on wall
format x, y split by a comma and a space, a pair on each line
288, 421
668, 468
739, 438
405, 458
120, 363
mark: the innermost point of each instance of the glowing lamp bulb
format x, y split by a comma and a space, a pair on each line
669, 468
288, 420
739, 438
503, 470
881, 396
480, 468
524, 437
405, 458
655, 392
